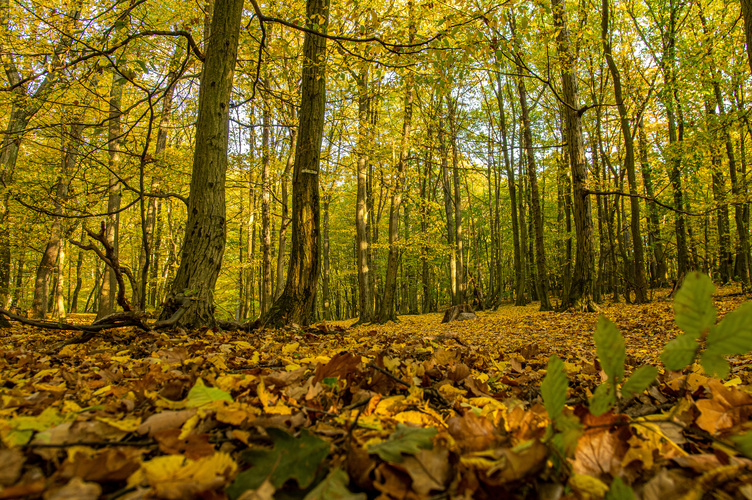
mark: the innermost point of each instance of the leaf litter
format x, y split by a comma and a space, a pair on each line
410, 410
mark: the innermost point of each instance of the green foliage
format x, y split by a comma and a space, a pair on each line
554, 387
619, 491
609, 345
290, 458
693, 304
200, 395
679, 353
744, 444
639, 381
603, 399
733, 335
334, 487
405, 440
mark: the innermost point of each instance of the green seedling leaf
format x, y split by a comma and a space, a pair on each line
693, 304
680, 352
639, 381
733, 335
714, 365
200, 395
554, 387
603, 399
743, 443
290, 458
609, 345
619, 491
334, 487
405, 440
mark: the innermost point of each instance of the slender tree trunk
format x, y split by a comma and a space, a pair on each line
540, 251
519, 273
640, 283
325, 281
109, 288
266, 235
79, 272
581, 292
458, 229
654, 229
387, 311
285, 214
298, 300
448, 207
204, 242
57, 232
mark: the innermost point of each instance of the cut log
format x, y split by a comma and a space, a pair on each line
462, 312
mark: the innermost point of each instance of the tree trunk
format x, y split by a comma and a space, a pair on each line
537, 216
204, 241
458, 229
747, 14
23, 108
448, 208
325, 281
640, 283
79, 272
57, 233
109, 288
298, 300
519, 273
387, 310
266, 234
285, 214
581, 292
654, 229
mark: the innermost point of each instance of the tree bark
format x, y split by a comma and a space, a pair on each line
581, 292
540, 251
747, 14
109, 287
204, 241
457, 198
640, 283
285, 219
387, 310
298, 300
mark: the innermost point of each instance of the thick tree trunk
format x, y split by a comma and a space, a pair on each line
298, 300
540, 251
747, 14
640, 283
204, 242
581, 292
365, 289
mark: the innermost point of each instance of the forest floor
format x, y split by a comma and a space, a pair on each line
409, 410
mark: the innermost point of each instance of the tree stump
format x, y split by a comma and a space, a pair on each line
461, 312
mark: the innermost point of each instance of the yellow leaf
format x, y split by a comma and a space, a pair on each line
733, 382
189, 425
290, 348
291, 367
127, 424
103, 390
242, 344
